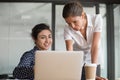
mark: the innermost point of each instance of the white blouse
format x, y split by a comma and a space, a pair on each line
79, 43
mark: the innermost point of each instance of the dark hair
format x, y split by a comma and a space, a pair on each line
38, 28
73, 8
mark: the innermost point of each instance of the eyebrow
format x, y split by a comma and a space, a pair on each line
45, 35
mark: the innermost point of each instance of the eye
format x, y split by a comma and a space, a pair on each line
75, 22
42, 37
50, 36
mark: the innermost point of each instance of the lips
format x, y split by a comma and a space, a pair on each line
46, 45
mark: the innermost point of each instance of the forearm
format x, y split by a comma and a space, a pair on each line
95, 47
94, 55
69, 45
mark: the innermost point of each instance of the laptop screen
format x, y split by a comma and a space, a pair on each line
58, 65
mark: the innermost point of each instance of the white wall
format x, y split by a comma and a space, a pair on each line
16, 22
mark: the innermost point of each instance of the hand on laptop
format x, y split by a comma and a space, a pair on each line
100, 78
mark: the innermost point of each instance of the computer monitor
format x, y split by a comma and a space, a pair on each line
58, 65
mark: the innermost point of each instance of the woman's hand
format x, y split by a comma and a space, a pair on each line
100, 78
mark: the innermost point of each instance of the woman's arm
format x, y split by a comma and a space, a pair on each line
95, 45
69, 45
24, 70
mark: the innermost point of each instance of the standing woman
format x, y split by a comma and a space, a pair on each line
83, 34
42, 36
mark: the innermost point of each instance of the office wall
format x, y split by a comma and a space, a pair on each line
16, 22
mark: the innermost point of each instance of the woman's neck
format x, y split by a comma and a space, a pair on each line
84, 29
84, 22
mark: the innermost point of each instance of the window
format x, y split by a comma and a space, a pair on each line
117, 39
16, 22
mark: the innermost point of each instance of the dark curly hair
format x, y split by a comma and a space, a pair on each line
38, 28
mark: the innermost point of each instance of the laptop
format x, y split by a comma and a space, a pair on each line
58, 65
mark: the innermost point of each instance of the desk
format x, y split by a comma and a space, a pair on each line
6, 76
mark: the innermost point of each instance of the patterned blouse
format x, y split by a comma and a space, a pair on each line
24, 70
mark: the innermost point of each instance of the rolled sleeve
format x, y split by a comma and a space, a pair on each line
98, 23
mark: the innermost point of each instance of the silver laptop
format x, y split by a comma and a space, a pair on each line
58, 65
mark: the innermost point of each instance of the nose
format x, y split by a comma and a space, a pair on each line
46, 40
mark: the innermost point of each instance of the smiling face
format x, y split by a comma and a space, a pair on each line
75, 22
44, 40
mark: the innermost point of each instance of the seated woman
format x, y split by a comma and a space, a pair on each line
42, 37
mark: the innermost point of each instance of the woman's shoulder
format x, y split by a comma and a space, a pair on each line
68, 29
29, 52
94, 16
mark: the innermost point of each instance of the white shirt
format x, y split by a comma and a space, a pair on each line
79, 43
